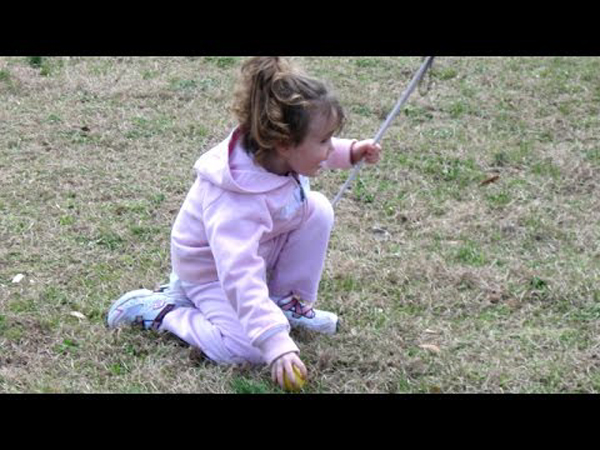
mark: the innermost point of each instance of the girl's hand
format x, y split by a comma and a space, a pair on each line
366, 149
285, 364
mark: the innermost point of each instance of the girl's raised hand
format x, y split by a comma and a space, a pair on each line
366, 149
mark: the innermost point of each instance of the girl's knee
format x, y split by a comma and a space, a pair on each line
321, 209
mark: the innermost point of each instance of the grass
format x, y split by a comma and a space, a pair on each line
444, 282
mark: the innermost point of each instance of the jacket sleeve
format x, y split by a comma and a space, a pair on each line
234, 225
340, 157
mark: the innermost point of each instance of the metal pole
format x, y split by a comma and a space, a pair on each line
411, 87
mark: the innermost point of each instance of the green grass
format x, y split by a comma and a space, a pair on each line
5, 76
470, 254
244, 386
443, 283
222, 62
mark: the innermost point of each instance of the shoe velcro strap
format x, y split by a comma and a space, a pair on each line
156, 322
298, 309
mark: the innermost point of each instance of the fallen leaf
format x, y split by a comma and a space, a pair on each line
491, 179
495, 297
77, 314
431, 347
379, 230
18, 278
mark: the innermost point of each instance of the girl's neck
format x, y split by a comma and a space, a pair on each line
277, 165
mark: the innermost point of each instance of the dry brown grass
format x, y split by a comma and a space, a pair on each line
444, 284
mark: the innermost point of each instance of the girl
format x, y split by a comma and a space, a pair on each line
249, 243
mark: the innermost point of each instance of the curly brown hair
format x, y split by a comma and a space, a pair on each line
275, 103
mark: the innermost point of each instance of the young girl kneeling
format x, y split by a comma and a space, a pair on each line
249, 243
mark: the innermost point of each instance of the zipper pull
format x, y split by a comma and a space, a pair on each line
302, 194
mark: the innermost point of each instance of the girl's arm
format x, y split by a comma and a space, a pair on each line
340, 158
347, 152
234, 226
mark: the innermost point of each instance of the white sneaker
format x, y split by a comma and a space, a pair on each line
147, 307
142, 306
304, 316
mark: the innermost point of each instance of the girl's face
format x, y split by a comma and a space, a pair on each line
306, 158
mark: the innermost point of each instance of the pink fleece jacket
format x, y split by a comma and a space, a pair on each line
233, 206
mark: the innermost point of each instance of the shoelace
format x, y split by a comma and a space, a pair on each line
298, 310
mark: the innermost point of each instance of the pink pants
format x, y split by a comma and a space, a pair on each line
294, 262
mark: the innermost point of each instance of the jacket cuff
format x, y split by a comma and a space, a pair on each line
276, 346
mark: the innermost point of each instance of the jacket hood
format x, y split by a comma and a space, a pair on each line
230, 167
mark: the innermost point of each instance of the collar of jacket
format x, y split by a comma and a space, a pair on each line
245, 176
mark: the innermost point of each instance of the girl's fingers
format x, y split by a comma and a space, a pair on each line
302, 368
284, 367
373, 154
289, 369
279, 375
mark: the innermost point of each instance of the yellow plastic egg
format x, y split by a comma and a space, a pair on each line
299, 379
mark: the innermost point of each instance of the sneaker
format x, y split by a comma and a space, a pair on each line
141, 306
147, 307
304, 316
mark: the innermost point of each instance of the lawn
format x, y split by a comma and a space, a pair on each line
468, 260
